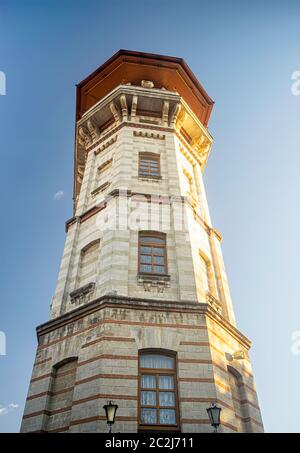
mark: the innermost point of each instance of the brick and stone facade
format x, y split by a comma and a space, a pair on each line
105, 311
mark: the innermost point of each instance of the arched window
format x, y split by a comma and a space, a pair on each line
158, 401
152, 253
236, 387
61, 395
88, 263
190, 185
149, 165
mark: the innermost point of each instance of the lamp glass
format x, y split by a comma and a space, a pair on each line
110, 411
214, 415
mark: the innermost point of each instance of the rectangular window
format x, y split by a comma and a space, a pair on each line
149, 165
152, 253
158, 392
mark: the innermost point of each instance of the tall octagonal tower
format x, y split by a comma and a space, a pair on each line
142, 313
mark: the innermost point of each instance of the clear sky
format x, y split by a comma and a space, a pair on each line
244, 53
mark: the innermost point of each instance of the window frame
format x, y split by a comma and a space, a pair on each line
154, 234
239, 387
152, 157
67, 410
79, 277
106, 165
158, 372
192, 192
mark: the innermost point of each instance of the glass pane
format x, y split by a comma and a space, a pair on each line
159, 260
166, 399
159, 269
148, 159
166, 382
154, 173
145, 268
158, 251
146, 259
149, 399
148, 381
146, 249
156, 361
152, 240
167, 417
148, 416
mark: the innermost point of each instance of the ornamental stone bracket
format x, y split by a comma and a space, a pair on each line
238, 355
115, 111
82, 295
105, 145
193, 134
153, 283
175, 113
213, 302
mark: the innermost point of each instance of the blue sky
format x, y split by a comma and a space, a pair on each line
244, 54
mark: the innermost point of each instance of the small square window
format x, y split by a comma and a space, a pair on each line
149, 165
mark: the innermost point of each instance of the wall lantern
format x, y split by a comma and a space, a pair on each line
214, 416
110, 412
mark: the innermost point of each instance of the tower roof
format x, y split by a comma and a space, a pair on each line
127, 66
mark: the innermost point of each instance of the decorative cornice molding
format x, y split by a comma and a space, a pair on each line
105, 145
129, 90
154, 198
128, 124
85, 216
72, 221
113, 301
149, 135
100, 188
91, 212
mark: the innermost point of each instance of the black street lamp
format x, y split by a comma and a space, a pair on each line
214, 416
110, 412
